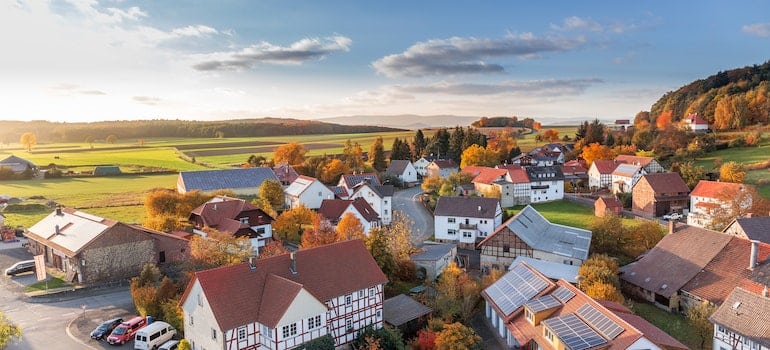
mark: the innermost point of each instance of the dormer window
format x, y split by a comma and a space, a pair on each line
548, 335
244, 220
529, 315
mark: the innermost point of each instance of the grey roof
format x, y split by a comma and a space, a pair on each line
757, 228
470, 207
540, 234
747, 314
352, 180
212, 180
16, 160
433, 251
545, 173
107, 170
550, 269
401, 309
381, 190
397, 166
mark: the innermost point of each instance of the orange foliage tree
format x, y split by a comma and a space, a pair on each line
332, 171
457, 336
664, 119
322, 234
292, 152
289, 223
551, 135
349, 228
596, 151
274, 248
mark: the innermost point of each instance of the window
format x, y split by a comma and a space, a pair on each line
192, 322
349, 325
320, 194
361, 293
721, 329
386, 211
386, 201
379, 314
348, 299
450, 220
267, 332
242, 333
161, 257
451, 232
529, 315
314, 322
467, 234
213, 334
200, 300
289, 330
548, 334
244, 220
371, 292
506, 248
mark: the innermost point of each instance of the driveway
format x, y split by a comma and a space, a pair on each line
408, 202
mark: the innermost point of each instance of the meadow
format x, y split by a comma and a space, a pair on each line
566, 213
746, 156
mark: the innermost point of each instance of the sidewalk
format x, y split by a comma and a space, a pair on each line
79, 329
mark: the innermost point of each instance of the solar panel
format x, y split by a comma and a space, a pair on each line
514, 289
543, 303
563, 294
601, 322
574, 333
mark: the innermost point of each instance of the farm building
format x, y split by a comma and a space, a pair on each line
107, 170
242, 181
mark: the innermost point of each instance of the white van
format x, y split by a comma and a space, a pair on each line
152, 335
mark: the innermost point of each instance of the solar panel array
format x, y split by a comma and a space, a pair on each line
601, 322
515, 288
563, 294
543, 303
574, 333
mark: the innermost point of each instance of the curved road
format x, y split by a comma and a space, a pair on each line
408, 202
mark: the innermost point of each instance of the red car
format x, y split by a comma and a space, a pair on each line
125, 331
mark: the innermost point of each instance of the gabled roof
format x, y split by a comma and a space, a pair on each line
679, 256
574, 168
627, 170
351, 181
401, 309
433, 251
696, 119
516, 173
747, 314
628, 159
16, 160
604, 166
69, 230
238, 295
610, 202
220, 209
665, 183
339, 191
540, 234
212, 180
756, 228
397, 167
650, 331
728, 269
332, 209
381, 191
714, 189
485, 175
550, 269
285, 172
445, 164
469, 207
300, 184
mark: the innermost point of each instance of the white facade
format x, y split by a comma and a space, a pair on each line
421, 166
200, 325
409, 174
596, 179
308, 191
265, 232
381, 205
466, 229
728, 340
546, 191
623, 183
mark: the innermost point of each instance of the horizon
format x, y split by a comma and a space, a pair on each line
90, 61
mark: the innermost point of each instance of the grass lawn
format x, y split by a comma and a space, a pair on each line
53, 282
566, 213
674, 324
744, 155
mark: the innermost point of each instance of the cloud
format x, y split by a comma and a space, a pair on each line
147, 100
549, 87
466, 55
576, 23
761, 30
110, 15
304, 50
580, 24
67, 89
198, 31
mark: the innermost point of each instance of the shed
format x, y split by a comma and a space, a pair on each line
107, 170
607, 204
434, 258
406, 314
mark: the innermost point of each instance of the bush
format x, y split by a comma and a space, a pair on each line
25, 208
53, 174
325, 342
738, 142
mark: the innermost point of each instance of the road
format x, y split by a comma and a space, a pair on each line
44, 320
408, 202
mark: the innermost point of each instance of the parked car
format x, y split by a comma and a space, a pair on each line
169, 345
104, 329
126, 330
672, 216
153, 335
20, 267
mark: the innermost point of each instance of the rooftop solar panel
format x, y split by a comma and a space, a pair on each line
574, 333
543, 303
514, 289
563, 294
600, 321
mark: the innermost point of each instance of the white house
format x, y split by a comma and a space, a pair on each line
600, 173
466, 219
742, 322
441, 168
284, 301
380, 197
233, 216
421, 165
334, 209
710, 196
308, 191
349, 181
696, 123
546, 183
649, 164
492, 181
403, 169
625, 176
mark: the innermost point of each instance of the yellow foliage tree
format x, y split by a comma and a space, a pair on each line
289, 223
349, 228
604, 291
28, 140
477, 155
219, 249
456, 336
292, 152
596, 151
332, 171
732, 172
322, 234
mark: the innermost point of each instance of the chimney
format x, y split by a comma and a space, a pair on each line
671, 226
215, 206
754, 253
58, 231
764, 292
479, 208
293, 267
252, 265
58, 210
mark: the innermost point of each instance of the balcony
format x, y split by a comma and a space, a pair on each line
469, 226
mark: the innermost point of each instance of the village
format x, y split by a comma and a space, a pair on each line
420, 252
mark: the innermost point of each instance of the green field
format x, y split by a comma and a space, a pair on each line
675, 325
744, 155
567, 213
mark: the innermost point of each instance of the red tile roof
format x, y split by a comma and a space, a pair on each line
696, 119
610, 202
641, 161
332, 209
715, 189
223, 214
238, 295
654, 334
516, 173
666, 183
605, 166
485, 175
445, 163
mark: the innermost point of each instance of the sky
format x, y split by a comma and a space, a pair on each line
93, 60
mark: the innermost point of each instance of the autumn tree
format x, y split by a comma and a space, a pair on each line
609, 234
641, 118
333, 170
111, 138
502, 143
377, 244
604, 291
698, 318
480, 156
28, 140
456, 336
456, 294
384, 338
432, 184
551, 135
274, 248
737, 203
255, 161
292, 152
537, 126
353, 156
596, 151
321, 234
598, 278
664, 120
9, 331
377, 155
690, 173
642, 238
271, 192
349, 228
289, 223
219, 249
732, 172
184, 344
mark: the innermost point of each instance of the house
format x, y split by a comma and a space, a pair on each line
405, 314
751, 228
529, 311
285, 173
89, 249
466, 219
546, 183
107, 170
658, 194
696, 123
624, 177
649, 164
575, 173
17, 165
421, 165
441, 168
307, 191
334, 209
492, 182
742, 322
657, 336
403, 170
620, 125
434, 258
349, 181
708, 197
242, 181
283, 301
379, 197
517, 175
600, 173
530, 234
604, 205
553, 270
236, 217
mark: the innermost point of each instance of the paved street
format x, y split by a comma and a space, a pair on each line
408, 202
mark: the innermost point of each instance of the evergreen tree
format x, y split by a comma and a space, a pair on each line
418, 144
400, 150
377, 155
456, 144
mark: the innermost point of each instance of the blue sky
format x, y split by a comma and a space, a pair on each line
90, 60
